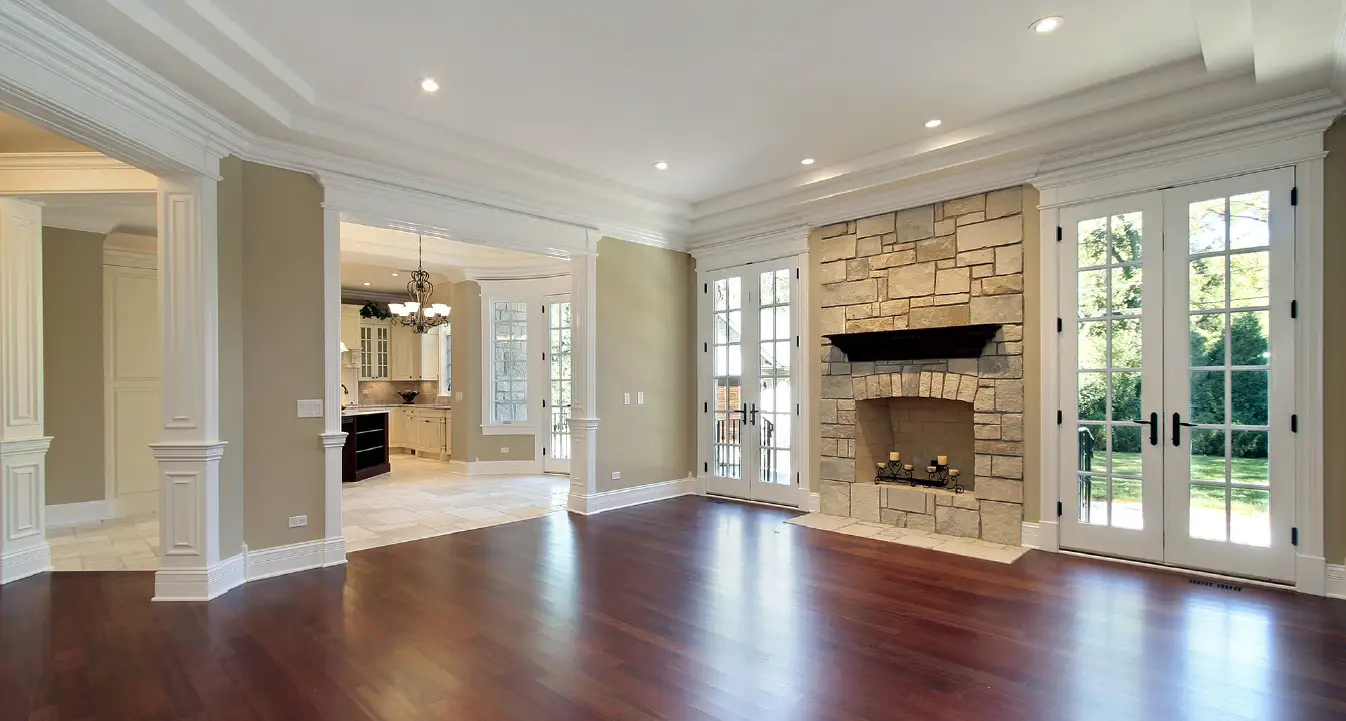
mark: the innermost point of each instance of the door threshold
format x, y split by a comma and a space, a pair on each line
1278, 585
768, 504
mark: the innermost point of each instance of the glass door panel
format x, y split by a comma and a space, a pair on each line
751, 404
556, 452
1111, 383
1229, 375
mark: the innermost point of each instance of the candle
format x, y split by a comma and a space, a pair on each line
894, 456
955, 473
908, 467
879, 466
942, 460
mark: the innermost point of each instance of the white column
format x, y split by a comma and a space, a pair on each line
191, 567
333, 439
23, 446
584, 393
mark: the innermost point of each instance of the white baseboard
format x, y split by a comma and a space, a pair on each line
198, 584
811, 502
1028, 535
280, 560
634, 496
1336, 581
24, 563
495, 468
136, 505
334, 551
1048, 536
77, 514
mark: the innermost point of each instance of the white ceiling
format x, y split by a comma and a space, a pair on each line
371, 255
587, 94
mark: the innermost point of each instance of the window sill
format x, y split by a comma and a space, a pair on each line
508, 429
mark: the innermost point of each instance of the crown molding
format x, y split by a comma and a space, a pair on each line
524, 272
752, 246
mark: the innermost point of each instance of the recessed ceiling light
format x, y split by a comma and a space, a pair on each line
806, 161
661, 165
429, 85
934, 123
366, 282
1047, 24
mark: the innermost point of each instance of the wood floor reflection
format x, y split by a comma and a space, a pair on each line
686, 609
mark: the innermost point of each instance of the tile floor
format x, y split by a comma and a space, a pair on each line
971, 547
418, 499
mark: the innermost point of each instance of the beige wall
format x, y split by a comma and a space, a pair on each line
468, 442
1033, 409
230, 239
646, 336
1334, 345
72, 333
281, 222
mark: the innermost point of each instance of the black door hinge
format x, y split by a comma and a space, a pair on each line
1060, 509
544, 402
796, 274
544, 450
1294, 309
1294, 195
796, 409
544, 308
705, 287
705, 467
1060, 326
796, 477
1294, 422
1294, 536
705, 407
705, 347
796, 341
544, 355
1060, 234
1060, 418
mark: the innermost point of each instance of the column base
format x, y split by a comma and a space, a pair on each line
199, 584
27, 562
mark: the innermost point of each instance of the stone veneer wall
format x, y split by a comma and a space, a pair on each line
954, 263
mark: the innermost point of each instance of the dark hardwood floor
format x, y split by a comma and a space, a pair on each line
686, 609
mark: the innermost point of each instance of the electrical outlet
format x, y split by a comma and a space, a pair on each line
616, 475
626, 399
297, 521
640, 398
504, 449
310, 408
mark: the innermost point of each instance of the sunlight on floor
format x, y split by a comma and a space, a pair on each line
971, 547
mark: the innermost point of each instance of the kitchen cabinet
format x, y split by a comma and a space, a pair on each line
404, 428
350, 334
374, 350
433, 429
366, 451
404, 354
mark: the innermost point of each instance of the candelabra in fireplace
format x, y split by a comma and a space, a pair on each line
937, 473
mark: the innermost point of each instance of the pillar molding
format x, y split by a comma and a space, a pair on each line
191, 567
23, 444
584, 395
333, 439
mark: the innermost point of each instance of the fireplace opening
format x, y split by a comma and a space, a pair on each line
921, 429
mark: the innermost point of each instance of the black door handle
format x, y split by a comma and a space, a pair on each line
1177, 426
1153, 423
754, 414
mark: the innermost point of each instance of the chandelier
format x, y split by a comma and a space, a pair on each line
419, 313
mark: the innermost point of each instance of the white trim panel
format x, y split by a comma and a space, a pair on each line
634, 496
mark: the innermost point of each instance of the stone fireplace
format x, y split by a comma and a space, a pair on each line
901, 295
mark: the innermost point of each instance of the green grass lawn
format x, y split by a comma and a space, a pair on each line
1208, 468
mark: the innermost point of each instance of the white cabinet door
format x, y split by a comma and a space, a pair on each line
430, 344
396, 428
448, 432
374, 350
431, 432
404, 356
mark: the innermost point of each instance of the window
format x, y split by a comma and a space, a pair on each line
509, 361
446, 359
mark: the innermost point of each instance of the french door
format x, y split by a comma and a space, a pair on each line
1178, 376
556, 445
751, 402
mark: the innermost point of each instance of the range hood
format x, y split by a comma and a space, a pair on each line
955, 341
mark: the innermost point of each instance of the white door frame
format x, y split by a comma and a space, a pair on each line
550, 462
1296, 143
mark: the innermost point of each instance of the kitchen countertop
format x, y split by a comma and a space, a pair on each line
365, 410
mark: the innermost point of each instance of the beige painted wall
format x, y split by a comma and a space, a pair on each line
230, 239
468, 442
646, 337
72, 281
282, 349
1334, 345
1033, 409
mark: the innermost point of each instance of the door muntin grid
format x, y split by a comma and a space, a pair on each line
776, 396
727, 372
1229, 368
1109, 324
559, 356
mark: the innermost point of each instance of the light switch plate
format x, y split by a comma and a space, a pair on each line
616, 475
626, 399
458, 395
310, 409
640, 398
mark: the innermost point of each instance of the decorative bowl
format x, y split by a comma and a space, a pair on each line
408, 396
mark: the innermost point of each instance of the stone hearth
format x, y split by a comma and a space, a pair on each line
948, 264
